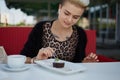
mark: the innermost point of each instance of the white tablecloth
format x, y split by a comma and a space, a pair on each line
95, 71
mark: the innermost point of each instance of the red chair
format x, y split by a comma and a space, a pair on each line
14, 38
91, 41
91, 46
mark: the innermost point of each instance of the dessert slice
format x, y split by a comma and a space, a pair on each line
58, 64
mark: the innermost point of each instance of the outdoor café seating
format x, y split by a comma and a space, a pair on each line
14, 38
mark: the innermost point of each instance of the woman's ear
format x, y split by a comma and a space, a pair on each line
58, 11
60, 6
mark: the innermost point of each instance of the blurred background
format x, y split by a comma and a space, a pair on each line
101, 15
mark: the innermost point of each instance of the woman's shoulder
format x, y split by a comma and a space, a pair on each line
41, 23
82, 34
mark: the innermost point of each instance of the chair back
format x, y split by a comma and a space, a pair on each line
91, 41
14, 38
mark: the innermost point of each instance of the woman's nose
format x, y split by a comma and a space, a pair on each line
70, 19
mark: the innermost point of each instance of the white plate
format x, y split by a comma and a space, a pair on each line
6, 67
69, 67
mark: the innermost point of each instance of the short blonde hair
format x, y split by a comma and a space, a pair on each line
80, 3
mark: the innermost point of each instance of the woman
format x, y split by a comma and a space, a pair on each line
60, 38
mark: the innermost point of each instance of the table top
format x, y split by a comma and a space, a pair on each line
94, 71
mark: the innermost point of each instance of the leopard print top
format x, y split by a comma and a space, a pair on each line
64, 50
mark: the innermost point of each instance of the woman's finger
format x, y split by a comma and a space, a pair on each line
96, 57
93, 55
49, 51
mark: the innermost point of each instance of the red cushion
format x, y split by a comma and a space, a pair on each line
106, 59
13, 38
91, 43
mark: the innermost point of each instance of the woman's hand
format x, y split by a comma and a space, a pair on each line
91, 58
44, 53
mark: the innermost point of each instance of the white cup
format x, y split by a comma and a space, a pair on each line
16, 61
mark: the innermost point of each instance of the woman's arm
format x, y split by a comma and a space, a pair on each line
34, 42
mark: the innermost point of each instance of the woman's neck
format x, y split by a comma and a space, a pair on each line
58, 27
60, 32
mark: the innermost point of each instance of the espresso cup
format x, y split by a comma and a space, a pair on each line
16, 61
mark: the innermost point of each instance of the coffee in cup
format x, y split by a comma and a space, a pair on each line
16, 61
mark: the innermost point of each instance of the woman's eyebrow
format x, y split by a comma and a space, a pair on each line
67, 11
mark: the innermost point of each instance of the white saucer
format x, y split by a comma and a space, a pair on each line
26, 67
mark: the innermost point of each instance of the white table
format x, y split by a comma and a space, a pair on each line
95, 71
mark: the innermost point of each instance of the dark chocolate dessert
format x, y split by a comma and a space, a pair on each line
58, 64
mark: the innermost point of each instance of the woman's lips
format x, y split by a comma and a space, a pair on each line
66, 23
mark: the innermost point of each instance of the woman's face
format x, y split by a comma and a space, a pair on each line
69, 14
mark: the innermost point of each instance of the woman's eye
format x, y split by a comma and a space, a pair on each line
66, 13
75, 17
